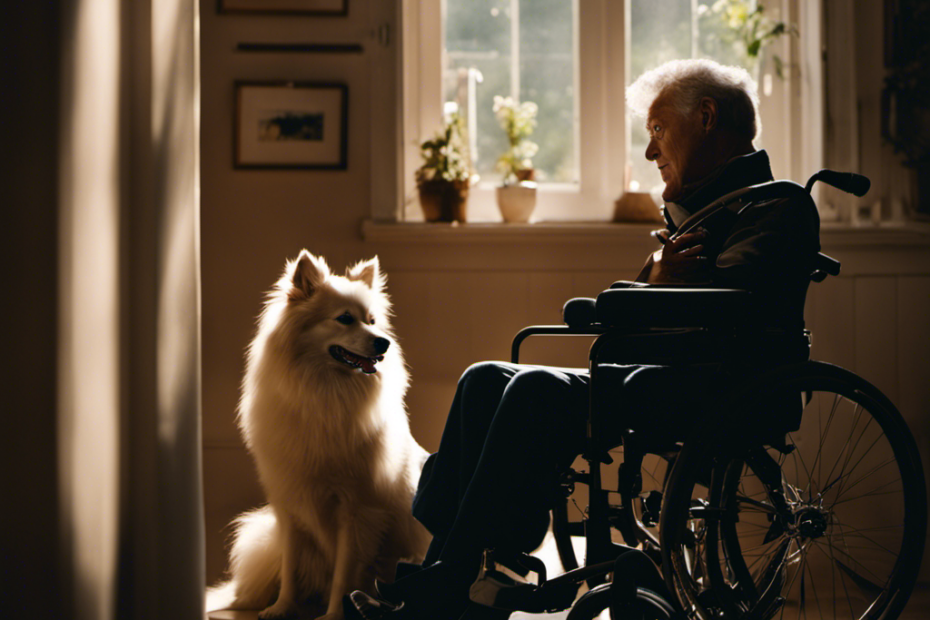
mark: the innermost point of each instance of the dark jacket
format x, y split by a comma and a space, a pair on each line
768, 248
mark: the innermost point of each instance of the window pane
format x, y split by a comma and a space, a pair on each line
663, 30
484, 59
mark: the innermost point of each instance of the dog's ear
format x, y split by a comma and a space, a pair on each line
369, 272
309, 273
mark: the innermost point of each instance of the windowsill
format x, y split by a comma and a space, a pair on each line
833, 234
501, 232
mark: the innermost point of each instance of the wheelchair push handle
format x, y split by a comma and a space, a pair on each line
849, 182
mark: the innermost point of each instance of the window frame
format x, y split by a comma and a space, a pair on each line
409, 33
600, 78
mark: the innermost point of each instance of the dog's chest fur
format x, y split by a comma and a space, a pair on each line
319, 442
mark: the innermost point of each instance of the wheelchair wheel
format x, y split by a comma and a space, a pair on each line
648, 606
828, 523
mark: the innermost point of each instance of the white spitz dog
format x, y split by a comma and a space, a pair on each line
322, 412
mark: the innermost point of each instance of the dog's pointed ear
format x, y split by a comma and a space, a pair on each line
309, 273
369, 272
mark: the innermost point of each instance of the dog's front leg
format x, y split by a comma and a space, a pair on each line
345, 571
286, 605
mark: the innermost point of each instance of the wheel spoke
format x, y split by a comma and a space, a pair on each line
787, 591
775, 552
865, 477
849, 454
869, 494
852, 614
799, 457
763, 507
814, 589
857, 415
845, 551
844, 534
843, 486
864, 584
823, 438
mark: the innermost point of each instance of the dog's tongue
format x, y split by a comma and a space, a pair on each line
368, 365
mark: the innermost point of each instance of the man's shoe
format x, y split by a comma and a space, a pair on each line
437, 583
391, 592
361, 606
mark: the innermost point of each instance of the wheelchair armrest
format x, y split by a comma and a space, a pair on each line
549, 330
660, 307
633, 304
579, 312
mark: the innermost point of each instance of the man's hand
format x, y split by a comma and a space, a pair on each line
679, 260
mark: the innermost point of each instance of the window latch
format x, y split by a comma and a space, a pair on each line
383, 35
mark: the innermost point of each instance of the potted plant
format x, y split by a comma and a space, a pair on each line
516, 198
446, 174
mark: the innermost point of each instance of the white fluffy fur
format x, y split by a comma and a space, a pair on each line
332, 446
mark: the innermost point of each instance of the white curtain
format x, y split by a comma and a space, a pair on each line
105, 451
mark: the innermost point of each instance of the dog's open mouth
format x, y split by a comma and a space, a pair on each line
365, 364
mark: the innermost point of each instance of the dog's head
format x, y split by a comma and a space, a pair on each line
342, 321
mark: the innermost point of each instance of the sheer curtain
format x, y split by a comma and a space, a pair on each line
105, 507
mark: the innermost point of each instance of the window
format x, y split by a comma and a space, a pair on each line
573, 58
494, 49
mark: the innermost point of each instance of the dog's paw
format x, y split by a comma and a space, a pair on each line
281, 609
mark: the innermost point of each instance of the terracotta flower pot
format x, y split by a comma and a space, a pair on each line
444, 201
527, 174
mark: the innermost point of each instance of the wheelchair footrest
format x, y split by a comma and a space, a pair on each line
495, 588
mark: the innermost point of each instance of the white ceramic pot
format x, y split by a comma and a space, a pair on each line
517, 202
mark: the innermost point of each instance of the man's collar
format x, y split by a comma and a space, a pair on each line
737, 173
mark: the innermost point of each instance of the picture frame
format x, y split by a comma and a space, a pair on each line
291, 125
331, 8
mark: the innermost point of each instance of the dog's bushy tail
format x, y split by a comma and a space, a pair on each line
254, 564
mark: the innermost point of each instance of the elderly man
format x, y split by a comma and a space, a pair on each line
512, 429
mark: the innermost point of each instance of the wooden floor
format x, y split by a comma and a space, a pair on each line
918, 608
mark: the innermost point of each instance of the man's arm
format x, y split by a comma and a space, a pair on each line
769, 243
681, 260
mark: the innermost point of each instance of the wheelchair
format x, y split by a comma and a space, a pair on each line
800, 493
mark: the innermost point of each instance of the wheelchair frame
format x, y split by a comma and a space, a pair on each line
603, 556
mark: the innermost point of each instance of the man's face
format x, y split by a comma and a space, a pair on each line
675, 144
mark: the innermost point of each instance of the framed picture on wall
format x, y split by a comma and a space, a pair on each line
306, 7
291, 125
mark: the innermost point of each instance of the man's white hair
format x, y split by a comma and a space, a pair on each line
686, 82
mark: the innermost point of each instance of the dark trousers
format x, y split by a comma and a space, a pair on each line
510, 433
